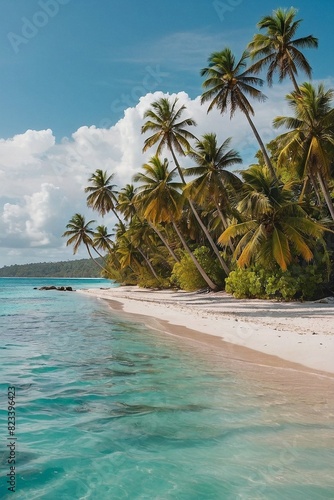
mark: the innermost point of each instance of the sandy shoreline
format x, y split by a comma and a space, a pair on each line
298, 335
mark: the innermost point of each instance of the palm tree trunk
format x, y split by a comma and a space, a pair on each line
156, 230
225, 225
148, 262
315, 188
209, 238
200, 269
305, 184
262, 146
294, 81
199, 220
103, 257
310, 179
117, 216
325, 191
91, 256
170, 147
98, 253
292, 76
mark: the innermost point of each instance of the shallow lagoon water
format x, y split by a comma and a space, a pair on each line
107, 408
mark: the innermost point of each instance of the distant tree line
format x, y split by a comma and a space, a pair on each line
82, 268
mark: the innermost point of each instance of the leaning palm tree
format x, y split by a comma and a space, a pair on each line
127, 255
228, 82
127, 206
101, 239
102, 197
80, 232
143, 238
169, 131
278, 50
133, 247
311, 134
276, 229
125, 202
212, 180
162, 201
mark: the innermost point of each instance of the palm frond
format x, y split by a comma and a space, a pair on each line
281, 249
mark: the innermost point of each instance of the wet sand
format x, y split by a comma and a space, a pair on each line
296, 336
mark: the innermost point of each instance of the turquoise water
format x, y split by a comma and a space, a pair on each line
109, 409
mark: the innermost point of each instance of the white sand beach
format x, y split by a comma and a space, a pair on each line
297, 335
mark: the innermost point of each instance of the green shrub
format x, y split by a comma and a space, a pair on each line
146, 280
246, 283
298, 282
186, 276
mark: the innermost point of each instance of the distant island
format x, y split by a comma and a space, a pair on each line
82, 268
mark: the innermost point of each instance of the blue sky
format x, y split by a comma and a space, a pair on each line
89, 61
75, 71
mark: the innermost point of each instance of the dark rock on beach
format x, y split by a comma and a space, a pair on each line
59, 288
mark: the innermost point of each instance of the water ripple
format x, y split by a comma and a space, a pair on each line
109, 409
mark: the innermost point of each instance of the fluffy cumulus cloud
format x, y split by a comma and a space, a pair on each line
35, 220
24, 149
42, 181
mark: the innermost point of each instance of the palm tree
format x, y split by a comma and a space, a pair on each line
276, 228
278, 50
127, 206
102, 197
311, 134
132, 246
142, 238
101, 239
164, 120
80, 233
127, 254
125, 202
212, 180
162, 201
228, 82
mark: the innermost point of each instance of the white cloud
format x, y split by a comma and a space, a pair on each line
33, 221
42, 182
25, 149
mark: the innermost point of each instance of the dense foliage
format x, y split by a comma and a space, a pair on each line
263, 231
186, 276
296, 283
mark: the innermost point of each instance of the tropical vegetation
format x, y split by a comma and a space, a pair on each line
195, 218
